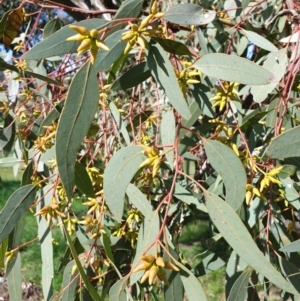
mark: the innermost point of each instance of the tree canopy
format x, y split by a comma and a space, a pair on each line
149, 116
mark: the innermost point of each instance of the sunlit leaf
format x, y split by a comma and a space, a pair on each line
14, 280
146, 238
15, 208
45, 238
117, 291
163, 72
239, 289
259, 40
167, 133
276, 63
57, 43
234, 69
118, 174
292, 247
189, 14
209, 264
77, 115
138, 199
226, 163
238, 237
285, 145
7, 132
104, 58
70, 282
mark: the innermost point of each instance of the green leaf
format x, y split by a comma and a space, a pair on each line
7, 133
163, 72
51, 27
245, 4
168, 133
285, 145
259, 40
79, 111
45, 238
238, 237
209, 264
138, 199
119, 121
117, 291
92, 292
187, 197
15, 208
69, 282
189, 14
14, 241
133, 77
226, 163
28, 172
14, 280
3, 22
43, 78
9, 161
191, 284
234, 69
292, 247
83, 181
239, 289
291, 272
104, 58
118, 174
57, 43
172, 46
129, 8
147, 235
174, 291
276, 63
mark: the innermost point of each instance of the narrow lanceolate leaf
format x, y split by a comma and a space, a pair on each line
14, 241
175, 290
226, 163
238, 237
7, 132
83, 181
138, 199
51, 27
69, 282
173, 46
80, 108
45, 237
9, 161
234, 69
14, 280
167, 133
163, 72
239, 289
57, 44
15, 208
189, 14
118, 174
276, 63
147, 235
133, 77
119, 121
191, 284
259, 40
285, 145
104, 58
292, 247
129, 8
117, 291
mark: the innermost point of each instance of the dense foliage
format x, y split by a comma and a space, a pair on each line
167, 113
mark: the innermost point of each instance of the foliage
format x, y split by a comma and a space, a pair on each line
167, 114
